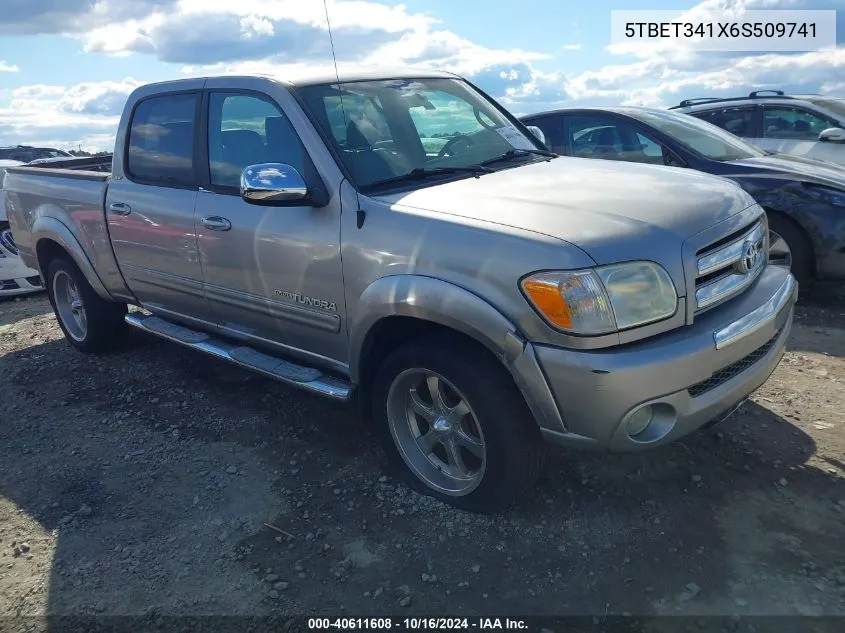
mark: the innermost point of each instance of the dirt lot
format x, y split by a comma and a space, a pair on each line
141, 482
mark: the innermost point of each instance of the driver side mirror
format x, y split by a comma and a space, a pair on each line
272, 183
537, 132
832, 135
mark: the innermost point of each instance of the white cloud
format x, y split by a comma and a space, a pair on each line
218, 31
290, 38
30, 17
85, 114
225, 36
254, 26
8, 68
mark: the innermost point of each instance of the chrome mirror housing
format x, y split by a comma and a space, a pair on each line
270, 183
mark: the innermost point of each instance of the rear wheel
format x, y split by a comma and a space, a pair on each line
454, 422
89, 323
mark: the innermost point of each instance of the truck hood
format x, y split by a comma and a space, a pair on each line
614, 211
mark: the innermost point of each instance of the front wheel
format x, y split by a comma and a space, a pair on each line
453, 420
89, 323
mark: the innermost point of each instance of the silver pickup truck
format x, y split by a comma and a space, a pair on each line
400, 239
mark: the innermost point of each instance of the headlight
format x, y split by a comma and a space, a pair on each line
604, 299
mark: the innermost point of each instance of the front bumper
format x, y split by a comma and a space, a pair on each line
16, 278
689, 376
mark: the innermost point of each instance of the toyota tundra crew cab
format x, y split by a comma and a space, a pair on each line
477, 297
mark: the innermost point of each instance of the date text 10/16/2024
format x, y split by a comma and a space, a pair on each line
417, 624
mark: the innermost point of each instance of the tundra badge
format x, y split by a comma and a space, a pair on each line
307, 301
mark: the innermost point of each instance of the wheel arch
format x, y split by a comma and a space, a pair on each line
397, 309
53, 239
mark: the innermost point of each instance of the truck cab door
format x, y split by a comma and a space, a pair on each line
150, 209
272, 274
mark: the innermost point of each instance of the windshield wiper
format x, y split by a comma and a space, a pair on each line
514, 153
421, 173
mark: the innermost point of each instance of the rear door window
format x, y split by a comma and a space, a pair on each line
161, 140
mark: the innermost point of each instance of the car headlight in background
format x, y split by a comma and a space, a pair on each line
826, 194
604, 299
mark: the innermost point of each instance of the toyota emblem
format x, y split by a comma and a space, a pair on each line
750, 253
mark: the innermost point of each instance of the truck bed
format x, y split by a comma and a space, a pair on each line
66, 202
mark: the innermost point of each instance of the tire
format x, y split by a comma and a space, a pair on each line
100, 326
800, 253
486, 408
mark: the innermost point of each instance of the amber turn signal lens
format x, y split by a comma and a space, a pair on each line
549, 301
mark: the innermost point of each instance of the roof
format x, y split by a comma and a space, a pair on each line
753, 97
30, 147
306, 76
313, 76
616, 109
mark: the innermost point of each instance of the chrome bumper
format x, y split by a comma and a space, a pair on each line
688, 377
753, 321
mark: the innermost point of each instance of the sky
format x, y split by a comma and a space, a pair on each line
67, 66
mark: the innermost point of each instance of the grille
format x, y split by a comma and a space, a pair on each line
727, 267
34, 281
735, 369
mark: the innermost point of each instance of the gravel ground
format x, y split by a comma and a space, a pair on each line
157, 480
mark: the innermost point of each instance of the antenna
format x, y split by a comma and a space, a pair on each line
339, 89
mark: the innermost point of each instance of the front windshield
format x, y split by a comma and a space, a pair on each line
386, 129
704, 138
836, 106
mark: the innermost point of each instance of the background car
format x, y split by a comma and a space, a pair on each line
27, 153
99, 162
15, 277
812, 126
804, 199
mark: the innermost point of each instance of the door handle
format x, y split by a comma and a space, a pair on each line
216, 223
120, 208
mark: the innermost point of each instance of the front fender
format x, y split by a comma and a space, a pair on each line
49, 228
446, 304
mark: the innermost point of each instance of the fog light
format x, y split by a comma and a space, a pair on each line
639, 421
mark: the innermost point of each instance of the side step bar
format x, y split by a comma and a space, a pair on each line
307, 378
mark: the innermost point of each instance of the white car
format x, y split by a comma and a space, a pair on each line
15, 277
811, 126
